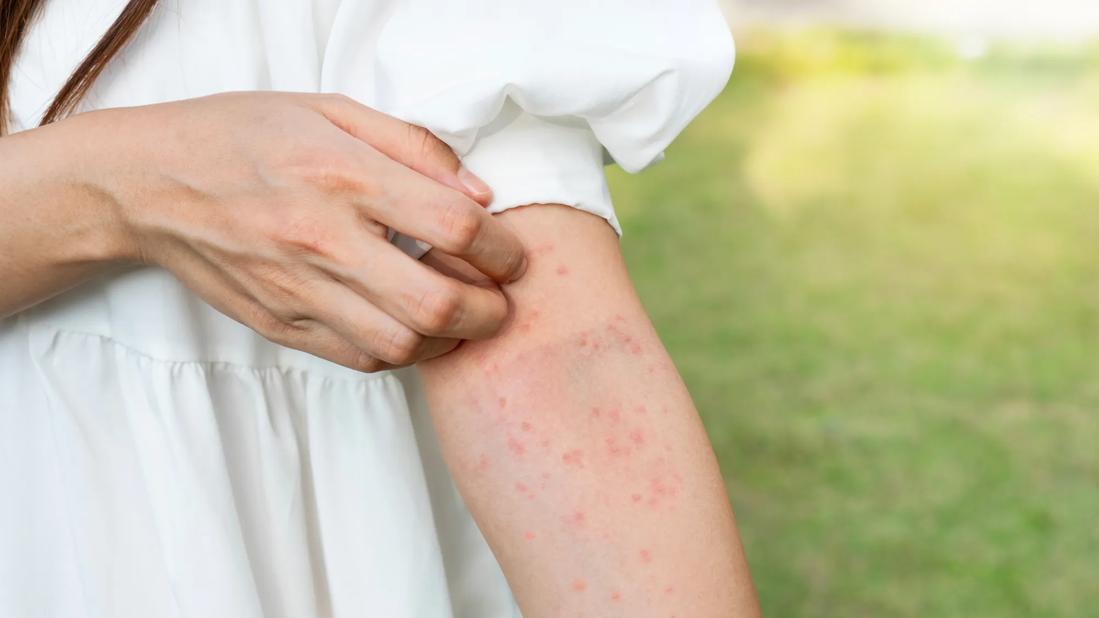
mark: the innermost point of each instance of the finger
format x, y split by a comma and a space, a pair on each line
224, 295
410, 145
371, 329
443, 218
455, 268
417, 295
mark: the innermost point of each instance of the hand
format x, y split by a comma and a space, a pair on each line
274, 207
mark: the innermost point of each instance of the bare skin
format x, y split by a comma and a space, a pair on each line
273, 207
577, 447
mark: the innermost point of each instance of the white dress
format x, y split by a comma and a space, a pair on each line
158, 458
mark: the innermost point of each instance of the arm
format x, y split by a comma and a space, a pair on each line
577, 448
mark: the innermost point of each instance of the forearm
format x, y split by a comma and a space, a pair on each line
56, 228
577, 447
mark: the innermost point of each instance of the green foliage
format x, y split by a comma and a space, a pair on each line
876, 267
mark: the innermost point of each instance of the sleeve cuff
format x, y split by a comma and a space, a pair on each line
532, 160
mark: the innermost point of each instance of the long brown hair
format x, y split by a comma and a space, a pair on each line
16, 17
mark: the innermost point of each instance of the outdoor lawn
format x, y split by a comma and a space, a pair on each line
877, 266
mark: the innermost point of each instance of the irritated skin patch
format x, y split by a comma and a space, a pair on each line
610, 454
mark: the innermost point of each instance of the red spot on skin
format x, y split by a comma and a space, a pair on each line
636, 437
595, 412
515, 446
618, 317
669, 590
577, 518
615, 596
635, 349
545, 442
503, 402
534, 313
562, 270
614, 447
525, 426
641, 410
615, 415
521, 487
529, 536
542, 249
635, 497
579, 585
482, 463
659, 489
646, 556
575, 457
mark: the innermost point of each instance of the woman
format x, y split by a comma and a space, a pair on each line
201, 409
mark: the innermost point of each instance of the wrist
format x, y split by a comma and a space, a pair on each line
93, 166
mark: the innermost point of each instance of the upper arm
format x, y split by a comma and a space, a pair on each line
576, 446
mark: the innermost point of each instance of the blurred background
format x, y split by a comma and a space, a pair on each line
875, 259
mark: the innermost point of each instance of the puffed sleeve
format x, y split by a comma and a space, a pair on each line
537, 96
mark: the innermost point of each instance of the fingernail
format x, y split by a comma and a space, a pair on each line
521, 271
472, 183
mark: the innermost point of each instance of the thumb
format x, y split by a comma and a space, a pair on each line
413, 146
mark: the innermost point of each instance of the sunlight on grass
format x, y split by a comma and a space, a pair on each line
875, 264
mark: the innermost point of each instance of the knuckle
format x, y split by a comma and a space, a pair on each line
420, 141
399, 346
461, 227
366, 363
325, 169
272, 327
424, 147
437, 309
283, 289
304, 233
337, 98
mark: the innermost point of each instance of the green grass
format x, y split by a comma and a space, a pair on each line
877, 267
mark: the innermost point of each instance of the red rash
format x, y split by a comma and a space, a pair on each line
579, 585
542, 249
562, 270
574, 457
516, 447
646, 556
